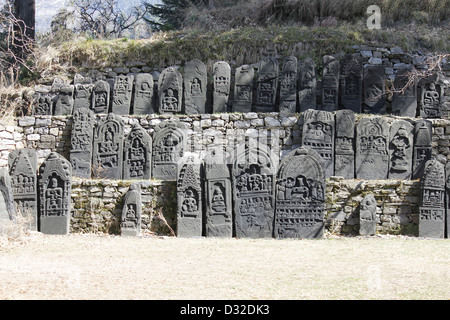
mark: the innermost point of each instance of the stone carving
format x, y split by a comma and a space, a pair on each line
195, 86
266, 85
344, 162
43, 105
447, 198
318, 134
430, 101
243, 89
374, 99
169, 145
137, 154
82, 96
330, 83
218, 199
401, 150
404, 101
131, 212
432, 209
422, 147
122, 91
351, 86
189, 196
372, 154
81, 141
143, 94
368, 215
64, 101
253, 191
300, 195
307, 83
108, 148
7, 193
22, 165
55, 175
288, 86
100, 97
221, 86
170, 91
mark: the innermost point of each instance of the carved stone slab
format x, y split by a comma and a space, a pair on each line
318, 134
100, 97
43, 104
404, 101
253, 192
22, 165
189, 196
430, 99
330, 83
374, 99
344, 158
81, 141
107, 154
169, 145
288, 86
422, 147
131, 212
122, 92
170, 91
55, 175
221, 86
195, 87
368, 215
447, 198
82, 96
218, 194
243, 89
143, 94
432, 209
372, 152
401, 147
64, 101
137, 154
351, 86
266, 85
307, 83
300, 195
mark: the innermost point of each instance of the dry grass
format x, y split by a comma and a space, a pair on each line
111, 267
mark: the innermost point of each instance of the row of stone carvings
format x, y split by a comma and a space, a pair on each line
345, 84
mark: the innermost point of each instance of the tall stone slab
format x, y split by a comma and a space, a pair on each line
170, 91
195, 86
422, 147
221, 86
218, 194
22, 164
169, 145
55, 185
344, 145
368, 215
100, 97
82, 96
143, 94
253, 176
307, 83
404, 100
318, 134
447, 199
401, 147
266, 85
64, 101
81, 141
189, 196
130, 224
288, 86
243, 89
374, 88
432, 208
372, 149
121, 95
330, 83
137, 154
107, 157
300, 195
351, 85
431, 98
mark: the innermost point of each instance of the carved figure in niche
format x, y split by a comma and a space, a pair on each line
367, 215
190, 201
400, 143
196, 88
170, 89
44, 104
218, 200
170, 100
222, 83
131, 212
54, 195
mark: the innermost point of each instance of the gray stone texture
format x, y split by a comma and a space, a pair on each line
137, 154
344, 146
422, 150
288, 86
401, 147
351, 85
170, 91
368, 215
143, 94
64, 101
195, 86
374, 88
82, 96
307, 83
100, 97
221, 86
243, 89
430, 98
404, 100
266, 85
81, 141
122, 94
330, 83
131, 212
